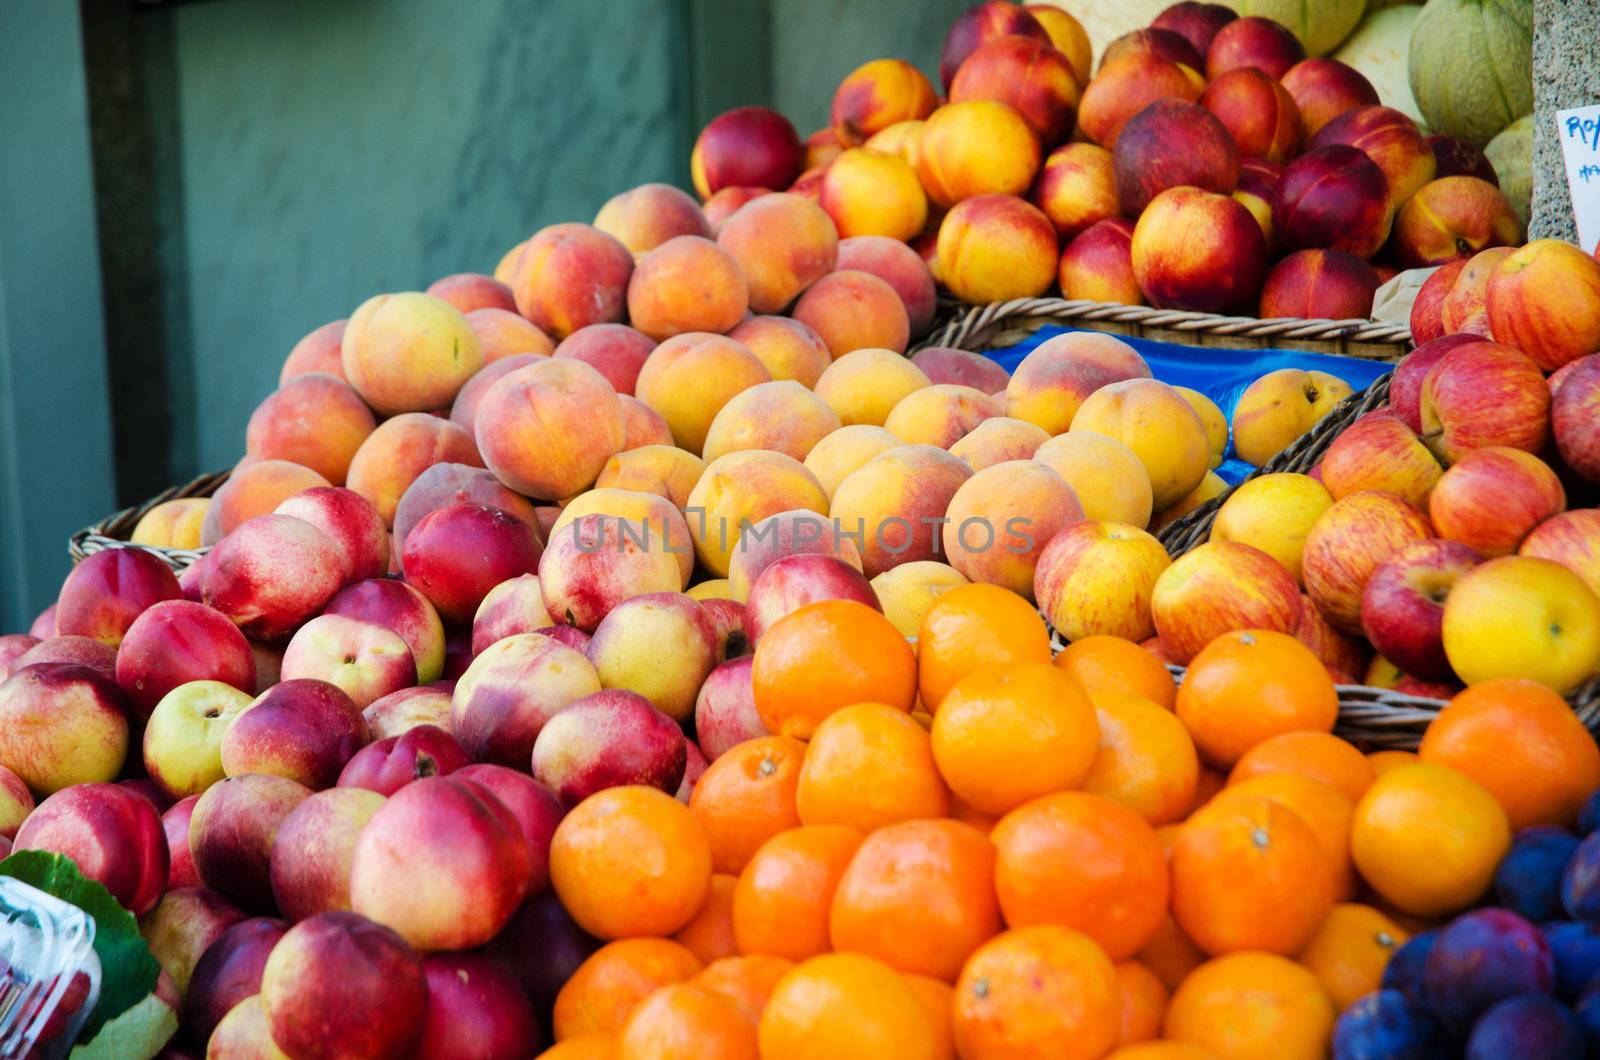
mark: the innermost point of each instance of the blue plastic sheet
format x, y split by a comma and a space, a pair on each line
1219, 373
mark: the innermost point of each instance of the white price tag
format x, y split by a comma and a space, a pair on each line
1579, 132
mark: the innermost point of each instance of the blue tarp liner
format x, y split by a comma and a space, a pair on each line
1218, 372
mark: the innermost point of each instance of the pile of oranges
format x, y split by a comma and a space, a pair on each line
968, 845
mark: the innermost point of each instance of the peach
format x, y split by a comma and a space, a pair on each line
569, 276
822, 147
979, 147
597, 561
726, 202
314, 420
978, 25
739, 490
665, 527
1068, 37
1097, 266
62, 725
79, 651
1332, 197
1211, 487
1465, 306
400, 450
751, 147
1217, 588
403, 609
1076, 188
13, 646
659, 645
113, 836
1029, 75
409, 352
993, 248
871, 193
784, 417
1199, 251
172, 524
1279, 407
546, 430
1253, 41
364, 660
792, 582
304, 729
313, 850
514, 606
273, 573
1097, 579
353, 524
876, 95
946, 364
1492, 498
507, 264
789, 349
616, 351
781, 245
107, 592
457, 553
846, 449
1053, 380
690, 283
940, 415
1452, 217
645, 217
1325, 89
536, 808
903, 138
1211, 416
1198, 22
1128, 85
511, 689
183, 926
1109, 479
1328, 284
472, 290
660, 469
1161, 428
1258, 178
319, 351
725, 708
231, 831
182, 749
1258, 112
464, 410
339, 984
893, 503
689, 377
1348, 542
1171, 143
400, 712
16, 802
1389, 139
797, 532
1545, 300
476, 1007
999, 439
1000, 519
227, 977
448, 483
255, 489
1379, 452
178, 641
391, 763
642, 425
502, 333
1162, 43
854, 310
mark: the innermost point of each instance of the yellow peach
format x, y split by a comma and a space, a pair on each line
689, 377
864, 386
664, 470
1109, 479
739, 490
781, 416
907, 591
845, 450
940, 415
1161, 428
1001, 518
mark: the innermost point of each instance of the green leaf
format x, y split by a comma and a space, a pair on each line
127, 971
138, 1034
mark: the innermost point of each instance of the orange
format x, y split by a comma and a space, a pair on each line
973, 626
1249, 874
1043, 991
1248, 686
583, 1047
1428, 838
1144, 1002
746, 797
1522, 742
1084, 862
686, 1022
1211, 782
983, 822
1146, 760
745, 981
1324, 808
709, 935
605, 988
781, 902
919, 896
1103, 663
1163, 1051
630, 861
1383, 761
1008, 734
1252, 1006
869, 765
1171, 954
828, 655
937, 1002
1318, 755
1349, 953
844, 1006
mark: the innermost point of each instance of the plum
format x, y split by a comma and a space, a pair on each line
1483, 957
1389, 1025
1405, 967
1580, 882
1528, 881
1531, 1025
542, 946
1589, 816
1575, 947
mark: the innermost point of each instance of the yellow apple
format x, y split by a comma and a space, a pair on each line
1097, 577
1279, 407
1519, 616
1273, 513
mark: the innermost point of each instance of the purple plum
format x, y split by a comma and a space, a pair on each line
1405, 967
1530, 1026
1575, 947
1483, 957
543, 946
1589, 816
1528, 881
1388, 1025
1580, 883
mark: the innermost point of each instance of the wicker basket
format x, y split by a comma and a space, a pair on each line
114, 530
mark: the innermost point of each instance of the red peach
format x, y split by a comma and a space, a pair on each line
1125, 86
867, 192
1259, 113
319, 351
408, 352
689, 283
391, 763
313, 848
62, 725
822, 147
725, 202
1162, 43
457, 553
780, 243
946, 364
569, 276
1030, 75
1077, 188
1199, 22
536, 808
403, 609
401, 449
725, 709
792, 582
645, 217
1391, 140
1097, 266
1258, 178
557, 450
666, 528
178, 641
1427, 321
1324, 89
314, 420
750, 147
616, 351
365, 660
514, 606
511, 690
476, 1008
976, 147
103, 595
1253, 41
113, 835
606, 740
353, 524
876, 95
1457, 158
229, 972
273, 573
980, 24
78, 651
231, 831
302, 729
472, 290
255, 489
788, 349
1332, 197
1328, 284
503, 333
993, 248
689, 377
783, 417
1168, 144
1196, 250
941, 414
404, 710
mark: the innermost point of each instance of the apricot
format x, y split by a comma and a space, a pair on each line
569, 276
854, 310
408, 352
782, 244
864, 386
689, 377
688, 283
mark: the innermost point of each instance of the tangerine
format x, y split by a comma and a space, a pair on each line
1383, 761
1318, 755
1250, 685
782, 899
1103, 663
1324, 808
869, 765
844, 1006
746, 981
1350, 952
937, 998
686, 1022
1146, 760
606, 987
709, 935
828, 655
1252, 1006
971, 627
1144, 1002
746, 797
1044, 991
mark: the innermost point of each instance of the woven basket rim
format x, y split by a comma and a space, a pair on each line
113, 531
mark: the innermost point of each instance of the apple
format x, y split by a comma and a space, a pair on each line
1405, 386
1379, 452
75, 650
12, 647
228, 972
443, 863
1465, 306
180, 862
230, 835
176, 642
62, 725
395, 761
183, 738
1481, 394
1348, 542
1427, 312
182, 926
1518, 616
364, 660
660, 645
607, 740
1571, 539
104, 594
312, 851
1402, 606
1097, 577
303, 729
1575, 417
1346, 657
399, 711
1217, 588
795, 581
1544, 299
113, 835
514, 606
339, 985
537, 809
271, 573
725, 708
510, 691
476, 1009
1273, 513
457, 553
402, 608
351, 521
1493, 497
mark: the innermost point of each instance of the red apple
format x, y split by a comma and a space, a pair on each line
1348, 542
228, 972
230, 835
660, 645
1492, 498
403, 609
514, 606
302, 729
1332, 197
364, 660
400, 711
795, 581
1170, 143
476, 1009
444, 484
747, 147
510, 691
1465, 306
971, 29
1339, 651
1402, 606
391, 763
351, 521
113, 835
1328, 284
1220, 587
537, 809
71, 650
1571, 539
62, 725
271, 574
1379, 452
181, 928
1253, 41
106, 592
312, 851
457, 553
1545, 300
1481, 394
607, 740
1427, 312
725, 710
178, 641
180, 862
1405, 387
1199, 22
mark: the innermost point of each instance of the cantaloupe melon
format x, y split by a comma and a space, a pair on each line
1320, 24
1106, 20
1380, 48
1471, 64
1511, 155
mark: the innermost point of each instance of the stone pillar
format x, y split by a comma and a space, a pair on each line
1564, 75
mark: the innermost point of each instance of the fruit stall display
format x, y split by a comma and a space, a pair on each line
635, 653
